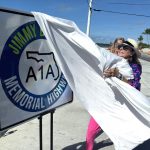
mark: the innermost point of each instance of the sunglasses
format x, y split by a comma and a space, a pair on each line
125, 47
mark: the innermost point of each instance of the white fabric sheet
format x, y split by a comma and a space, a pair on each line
121, 111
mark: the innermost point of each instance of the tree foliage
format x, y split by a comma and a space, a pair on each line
140, 39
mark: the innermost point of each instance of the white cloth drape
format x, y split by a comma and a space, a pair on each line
121, 111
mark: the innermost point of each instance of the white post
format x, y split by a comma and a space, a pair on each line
89, 17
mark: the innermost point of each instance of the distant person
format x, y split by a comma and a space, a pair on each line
128, 50
114, 47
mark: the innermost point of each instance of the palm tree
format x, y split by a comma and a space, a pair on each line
140, 39
147, 33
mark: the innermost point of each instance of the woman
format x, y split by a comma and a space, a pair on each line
127, 50
116, 43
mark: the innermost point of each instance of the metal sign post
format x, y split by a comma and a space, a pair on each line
41, 130
40, 133
51, 129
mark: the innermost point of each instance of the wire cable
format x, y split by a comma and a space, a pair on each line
122, 13
134, 4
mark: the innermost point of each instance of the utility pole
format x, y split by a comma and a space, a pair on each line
89, 17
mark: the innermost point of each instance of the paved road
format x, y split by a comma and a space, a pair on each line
145, 57
145, 80
70, 123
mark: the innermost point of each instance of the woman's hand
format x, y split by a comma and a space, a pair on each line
112, 72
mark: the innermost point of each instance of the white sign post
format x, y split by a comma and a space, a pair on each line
31, 83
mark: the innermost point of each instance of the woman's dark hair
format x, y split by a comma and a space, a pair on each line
134, 59
129, 46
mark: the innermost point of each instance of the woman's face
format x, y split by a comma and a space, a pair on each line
125, 52
119, 42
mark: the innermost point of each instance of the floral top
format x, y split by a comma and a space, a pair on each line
137, 71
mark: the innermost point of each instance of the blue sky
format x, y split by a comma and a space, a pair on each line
105, 26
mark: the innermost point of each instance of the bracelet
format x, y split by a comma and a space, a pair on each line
120, 76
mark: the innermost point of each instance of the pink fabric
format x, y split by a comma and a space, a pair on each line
92, 131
